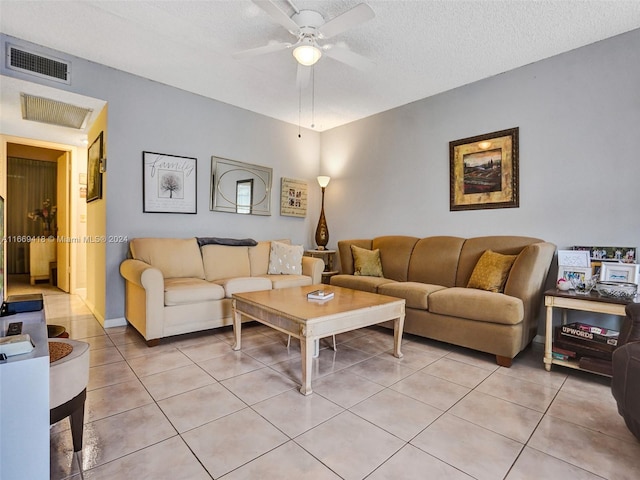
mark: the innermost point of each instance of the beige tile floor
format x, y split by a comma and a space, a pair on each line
192, 408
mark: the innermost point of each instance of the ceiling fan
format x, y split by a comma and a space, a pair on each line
309, 26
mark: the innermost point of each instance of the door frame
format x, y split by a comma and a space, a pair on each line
72, 156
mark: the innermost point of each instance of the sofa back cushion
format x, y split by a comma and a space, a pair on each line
222, 261
346, 256
259, 258
435, 260
174, 257
395, 253
473, 249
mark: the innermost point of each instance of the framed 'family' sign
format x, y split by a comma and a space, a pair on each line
169, 183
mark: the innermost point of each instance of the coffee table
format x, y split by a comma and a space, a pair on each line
288, 310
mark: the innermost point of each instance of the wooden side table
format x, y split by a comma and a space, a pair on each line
591, 302
327, 258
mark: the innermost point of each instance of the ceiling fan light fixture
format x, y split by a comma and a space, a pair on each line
307, 55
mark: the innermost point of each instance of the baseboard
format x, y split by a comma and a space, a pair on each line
115, 322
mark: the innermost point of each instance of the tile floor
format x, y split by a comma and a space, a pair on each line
193, 409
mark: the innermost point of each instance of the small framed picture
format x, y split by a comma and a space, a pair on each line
619, 272
574, 258
169, 183
580, 273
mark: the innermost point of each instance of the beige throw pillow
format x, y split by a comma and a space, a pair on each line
491, 271
366, 262
285, 259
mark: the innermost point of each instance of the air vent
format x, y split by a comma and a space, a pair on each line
40, 65
45, 110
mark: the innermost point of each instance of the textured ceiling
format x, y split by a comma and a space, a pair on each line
420, 48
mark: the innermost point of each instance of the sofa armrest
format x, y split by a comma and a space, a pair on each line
313, 267
144, 297
527, 280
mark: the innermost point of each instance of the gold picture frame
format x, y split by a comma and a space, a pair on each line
484, 171
293, 197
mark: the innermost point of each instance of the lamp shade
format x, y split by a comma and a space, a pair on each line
307, 55
323, 181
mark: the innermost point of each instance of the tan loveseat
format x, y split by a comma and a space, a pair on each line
432, 274
175, 286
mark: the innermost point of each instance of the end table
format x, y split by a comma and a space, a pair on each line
327, 258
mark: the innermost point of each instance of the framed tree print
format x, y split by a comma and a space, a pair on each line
484, 171
169, 183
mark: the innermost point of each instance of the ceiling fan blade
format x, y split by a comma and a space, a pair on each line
270, 48
303, 76
348, 57
359, 14
278, 15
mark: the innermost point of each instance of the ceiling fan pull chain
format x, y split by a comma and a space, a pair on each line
313, 97
299, 111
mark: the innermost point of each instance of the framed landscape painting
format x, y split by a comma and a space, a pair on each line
484, 171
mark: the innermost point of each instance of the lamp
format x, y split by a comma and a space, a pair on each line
322, 231
307, 53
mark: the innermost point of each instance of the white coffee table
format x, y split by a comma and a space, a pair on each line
288, 310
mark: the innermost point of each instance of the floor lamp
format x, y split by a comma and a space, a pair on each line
322, 231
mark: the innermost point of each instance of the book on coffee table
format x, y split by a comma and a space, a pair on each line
320, 295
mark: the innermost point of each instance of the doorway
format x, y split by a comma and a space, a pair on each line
43, 218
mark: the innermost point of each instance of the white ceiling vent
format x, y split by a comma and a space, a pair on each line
39, 65
45, 110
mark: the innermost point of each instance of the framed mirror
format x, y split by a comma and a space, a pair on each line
239, 187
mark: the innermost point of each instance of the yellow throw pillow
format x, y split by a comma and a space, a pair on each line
366, 262
491, 271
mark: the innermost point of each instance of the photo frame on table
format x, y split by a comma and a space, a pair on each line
619, 272
169, 183
293, 197
94, 176
574, 258
581, 273
483, 171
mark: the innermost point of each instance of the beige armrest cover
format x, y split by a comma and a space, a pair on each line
313, 267
144, 297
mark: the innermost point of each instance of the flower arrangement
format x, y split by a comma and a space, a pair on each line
47, 214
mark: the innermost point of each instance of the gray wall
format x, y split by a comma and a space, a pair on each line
145, 115
579, 120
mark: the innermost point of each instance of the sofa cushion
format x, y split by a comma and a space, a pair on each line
259, 258
221, 261
285, 259
286, 281
366, 262
477, 305
180, 291
243, 284
174, 257
491, 271
367, 284
416, 294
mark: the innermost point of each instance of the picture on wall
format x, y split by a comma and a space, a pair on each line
484, 171
169, 183
293, 197
94, 177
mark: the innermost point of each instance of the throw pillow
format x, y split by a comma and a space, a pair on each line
366, 262
491, 271
285, 259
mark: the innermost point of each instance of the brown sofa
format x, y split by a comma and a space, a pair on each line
432, 274
625, 381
